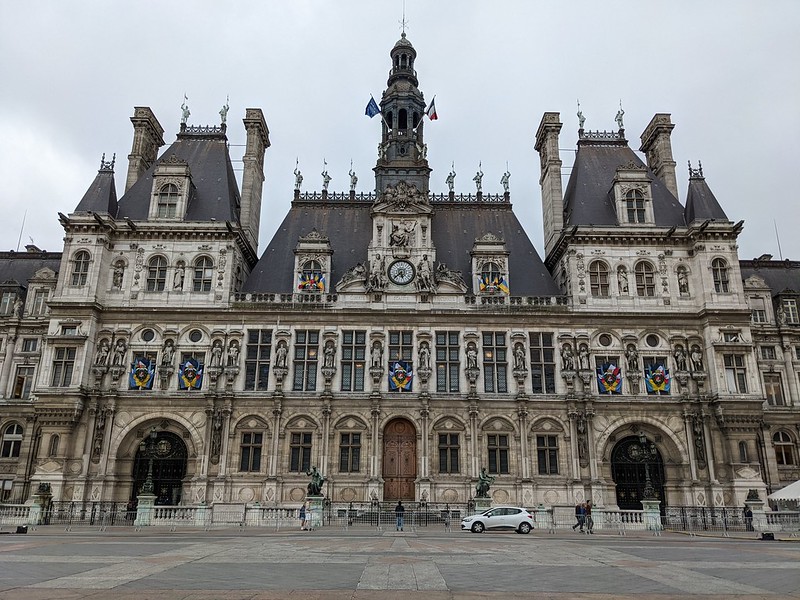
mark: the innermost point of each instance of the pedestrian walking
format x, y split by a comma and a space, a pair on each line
303, 517
399, 513
580, 516
589, 520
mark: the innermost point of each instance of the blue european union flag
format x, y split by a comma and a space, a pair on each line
372, 108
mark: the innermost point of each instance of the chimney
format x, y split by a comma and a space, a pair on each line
147, 139
550, 179
253, 175
657, 148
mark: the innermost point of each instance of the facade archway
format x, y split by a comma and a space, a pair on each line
631, 465
170, 457
399, 460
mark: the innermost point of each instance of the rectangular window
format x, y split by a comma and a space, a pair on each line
39, 307
759, 315
768, 353
651, 364
497, 446
69, 330
306, 353
63, 363
494, 362
547, 454
251, 452
30, 344
257, 359
7, 303
300, 453
350, 453
354, 352
735, 373
400, 346
543, 363
448, 453
447, 362
23, 382
790, 310
773, 389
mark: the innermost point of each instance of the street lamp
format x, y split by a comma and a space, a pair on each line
148, 447
648, 453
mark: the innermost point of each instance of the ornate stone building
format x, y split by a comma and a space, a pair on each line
399, 340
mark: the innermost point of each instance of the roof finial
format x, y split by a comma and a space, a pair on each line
696, 173
107, 166
403, 22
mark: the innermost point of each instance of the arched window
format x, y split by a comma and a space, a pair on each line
743, 455
390, 119
53, 451
311, 278
402, 119
645, 279
634, 206
12, 441
203, 274
168, 201
492, 279
598, 278
80, 268
784, 449
719, 271
156, 274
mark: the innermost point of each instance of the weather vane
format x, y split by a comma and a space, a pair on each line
403, 22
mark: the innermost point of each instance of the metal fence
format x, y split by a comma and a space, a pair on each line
102, 514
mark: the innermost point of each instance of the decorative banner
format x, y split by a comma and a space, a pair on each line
400, 376
656, 379
190, 375
142, 372
609, 379
311, 282
492, 285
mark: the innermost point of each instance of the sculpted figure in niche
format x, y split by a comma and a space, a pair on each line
280, 355
180, 273
683, 282
233, 354
216, 354
116, 278
632, 354
697, 358
622, 280
167, 353
583, 357
425, 274
329, 355
424, 356
376, 281
472, 356
567, 358
680, 358
376, 355
101, 356
519, 357
119, 353
17, 308
401, 234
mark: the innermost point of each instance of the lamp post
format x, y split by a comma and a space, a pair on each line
648, 453
148, 447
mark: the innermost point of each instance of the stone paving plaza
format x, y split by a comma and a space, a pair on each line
51, 564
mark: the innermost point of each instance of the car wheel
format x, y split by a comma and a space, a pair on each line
477, 527
524, 527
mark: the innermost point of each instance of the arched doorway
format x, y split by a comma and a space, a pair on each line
399, 460
169, 457
631, 464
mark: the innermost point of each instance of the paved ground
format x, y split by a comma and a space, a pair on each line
364, 564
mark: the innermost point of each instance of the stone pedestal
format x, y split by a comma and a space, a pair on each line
759, 522
201, 514
482, 504
652, 516
314, 511
40, 501
144, 510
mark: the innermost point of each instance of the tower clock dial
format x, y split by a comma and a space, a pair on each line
401, 272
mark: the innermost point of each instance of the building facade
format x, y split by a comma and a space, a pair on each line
400, 340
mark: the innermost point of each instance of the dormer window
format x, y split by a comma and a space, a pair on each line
493, 280
203, 274
789, 306
645, 279
80, 268
719, 272
634, 205
168, 197
312, 278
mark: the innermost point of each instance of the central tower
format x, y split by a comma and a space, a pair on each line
402, 154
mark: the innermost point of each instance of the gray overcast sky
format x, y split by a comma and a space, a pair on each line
72, 72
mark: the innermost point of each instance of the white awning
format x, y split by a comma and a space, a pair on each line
790, 492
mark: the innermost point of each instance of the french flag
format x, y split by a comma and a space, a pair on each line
431, 110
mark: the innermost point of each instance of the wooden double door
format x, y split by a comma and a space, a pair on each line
399, 460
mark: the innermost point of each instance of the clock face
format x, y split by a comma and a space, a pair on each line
401, 272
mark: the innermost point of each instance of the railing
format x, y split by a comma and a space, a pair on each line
785, 521
697, 519
89, 513
14, 514
287, 299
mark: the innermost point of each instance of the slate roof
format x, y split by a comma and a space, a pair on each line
349, 228
101, 197
215, 194
19, 267
589, 198
780, 275
701, 204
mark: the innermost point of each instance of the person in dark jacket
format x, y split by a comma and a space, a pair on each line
580, 516
399, 513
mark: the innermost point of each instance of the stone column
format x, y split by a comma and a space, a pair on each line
593, 470
788, 360
276, 428
522, 415
573, 445
11, 342
712, 476
687, 430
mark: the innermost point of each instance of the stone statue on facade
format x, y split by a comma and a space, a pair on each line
185, 110
180, 274
216, 354
298, 178
353, 179
451, 178
103, 350
329, 355
233, 354
683, 282
280, 355
424, 356
401, 234
425, 280
583, 357
632, 355
116, 278
618, 118
376, 355
167, 353
482, 487
119, 353
519, 357
680, 358
697, 359
376, 276
581, 118
478, 179
472, 357
326, 179
315, 485
567, 358
622, 280
223, 113
504, 180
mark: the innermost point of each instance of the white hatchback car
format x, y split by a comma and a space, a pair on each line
499, 517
